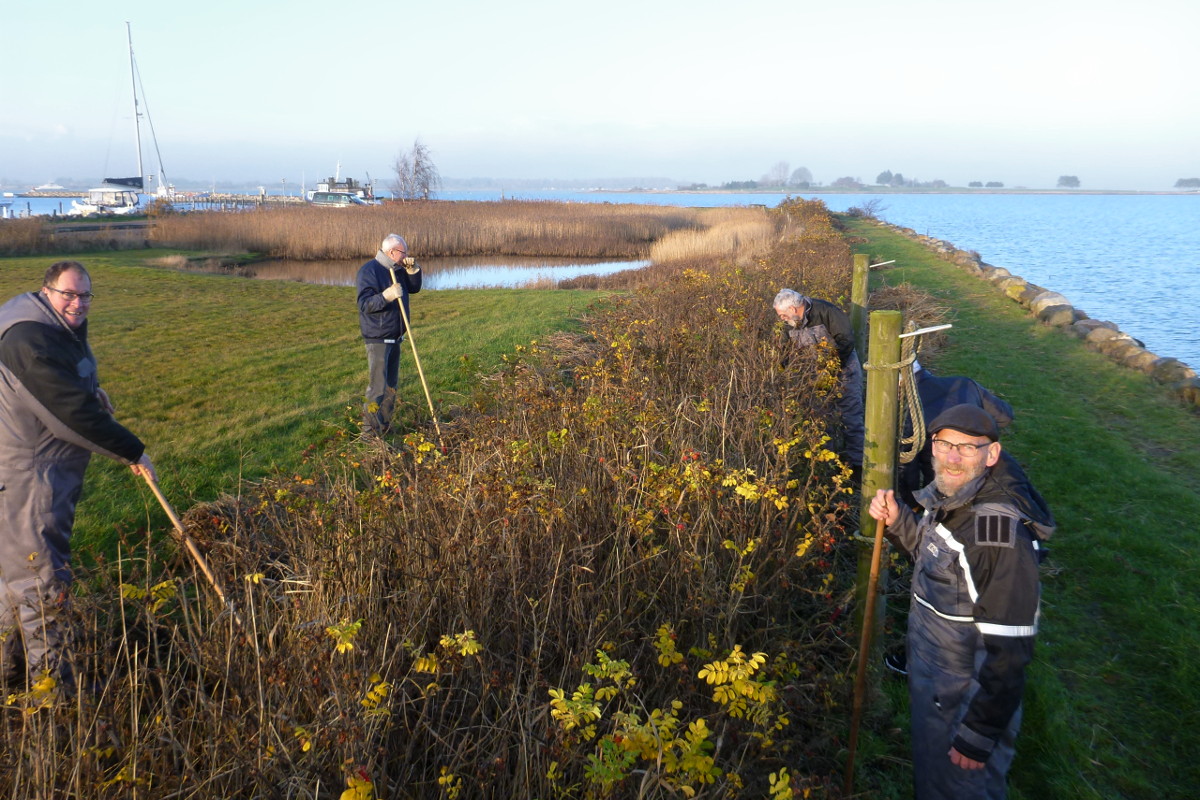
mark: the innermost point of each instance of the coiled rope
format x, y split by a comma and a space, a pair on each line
909, 401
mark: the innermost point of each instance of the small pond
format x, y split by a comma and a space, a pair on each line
467, 272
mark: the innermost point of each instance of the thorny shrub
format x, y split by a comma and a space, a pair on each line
622, 571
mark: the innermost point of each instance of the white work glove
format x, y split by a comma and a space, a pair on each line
392, 292
410, 265
144, 468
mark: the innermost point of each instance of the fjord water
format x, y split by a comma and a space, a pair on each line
1131, 259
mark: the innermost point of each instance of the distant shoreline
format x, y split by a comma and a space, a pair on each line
882, 190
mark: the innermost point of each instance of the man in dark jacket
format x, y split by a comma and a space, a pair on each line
381, 290
975, 605
813, 321
936, 395
53, 416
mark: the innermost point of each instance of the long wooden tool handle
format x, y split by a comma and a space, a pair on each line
191, 546
412, 341
864, 648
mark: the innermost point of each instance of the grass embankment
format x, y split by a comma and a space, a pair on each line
1114, 697
228, 378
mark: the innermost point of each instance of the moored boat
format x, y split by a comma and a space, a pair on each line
342, 193
122, 196
116, 199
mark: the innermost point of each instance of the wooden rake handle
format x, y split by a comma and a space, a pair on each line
197, 556
864, 650
417, 360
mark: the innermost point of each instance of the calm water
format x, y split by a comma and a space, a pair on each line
1130, 259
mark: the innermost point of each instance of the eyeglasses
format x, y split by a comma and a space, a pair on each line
965, 449
85, 297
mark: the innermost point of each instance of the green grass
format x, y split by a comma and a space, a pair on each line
1113, 702
227, 378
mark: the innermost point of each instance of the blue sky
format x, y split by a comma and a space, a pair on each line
1019, 91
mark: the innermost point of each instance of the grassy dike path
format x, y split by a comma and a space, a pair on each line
1113, 703
227, 378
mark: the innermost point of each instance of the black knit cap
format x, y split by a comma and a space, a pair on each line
969, 419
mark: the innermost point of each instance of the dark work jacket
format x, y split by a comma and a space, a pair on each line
380, 319
51, 421
48, 385
976, 572
836, 322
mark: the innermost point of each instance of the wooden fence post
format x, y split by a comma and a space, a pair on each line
858, 302
879, 453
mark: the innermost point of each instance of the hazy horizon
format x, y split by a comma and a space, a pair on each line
278, 94
485, 183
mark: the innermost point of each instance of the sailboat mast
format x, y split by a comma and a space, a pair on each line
137, 115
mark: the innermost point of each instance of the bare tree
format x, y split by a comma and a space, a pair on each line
801, 177
776, 176
417, 177
871, 209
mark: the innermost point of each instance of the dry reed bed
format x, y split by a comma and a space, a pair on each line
609, 515
445, 229
25, 236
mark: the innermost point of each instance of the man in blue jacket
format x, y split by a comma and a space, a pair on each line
975, 605
53, 416
384, 283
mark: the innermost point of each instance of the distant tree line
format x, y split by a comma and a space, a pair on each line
779, 176
988, 185
1187, 183
897, 180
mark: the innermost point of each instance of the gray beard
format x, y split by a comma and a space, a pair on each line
941, 487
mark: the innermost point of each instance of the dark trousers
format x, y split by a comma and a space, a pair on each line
383, 370
944, 659
850, 405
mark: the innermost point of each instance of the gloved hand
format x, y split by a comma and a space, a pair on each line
392, 292
410, 264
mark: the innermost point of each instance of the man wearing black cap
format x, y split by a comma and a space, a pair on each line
974, 610
938, 393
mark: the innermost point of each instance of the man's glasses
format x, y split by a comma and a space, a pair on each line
965, 449
85, 297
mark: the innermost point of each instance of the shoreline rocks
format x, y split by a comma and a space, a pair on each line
1055, 310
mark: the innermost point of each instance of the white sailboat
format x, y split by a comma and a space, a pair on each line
121, 196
